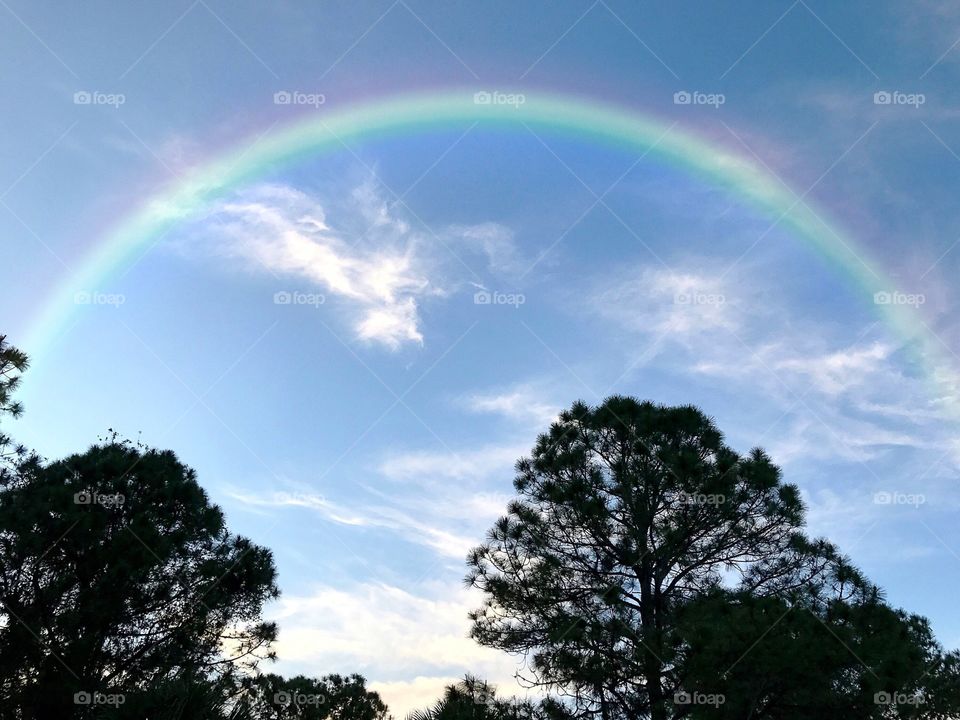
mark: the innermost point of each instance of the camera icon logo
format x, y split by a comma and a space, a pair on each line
682, 98
282, 298
882, 98
482, 297
482, 98
282, 98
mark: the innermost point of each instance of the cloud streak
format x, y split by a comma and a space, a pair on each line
380, 275
286, 232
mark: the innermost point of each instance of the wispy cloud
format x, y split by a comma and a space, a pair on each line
467, 465
520, 403
419, 529
661, 301
801, 363
494, 241
284, 231
380, 274
838, 371
336, 629
821, 433
850, 401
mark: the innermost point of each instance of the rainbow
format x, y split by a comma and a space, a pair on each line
321, 130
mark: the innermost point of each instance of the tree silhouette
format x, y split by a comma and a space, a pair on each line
772, 657
122, 594
118, 576
272, 697
475, 699
628, 517
645, 570
13, 363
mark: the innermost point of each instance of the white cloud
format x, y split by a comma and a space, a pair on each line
420, 528
331, 511
405, 696
393, 324
286, 232
411, 644
851, 402
659, 301
380, 271
422, 692
863, 528
798, 361
520, 403
822, 433
493, 240
468, 465
839, 371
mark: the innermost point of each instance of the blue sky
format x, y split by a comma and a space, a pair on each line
366, 430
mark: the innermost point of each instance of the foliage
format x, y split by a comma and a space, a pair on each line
117, 575
642, 554
765, 657
271, 697
13, 363
645, 570
474, 699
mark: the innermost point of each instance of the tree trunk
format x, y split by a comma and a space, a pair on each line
652, 666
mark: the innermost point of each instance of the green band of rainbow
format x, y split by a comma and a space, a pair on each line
324, 130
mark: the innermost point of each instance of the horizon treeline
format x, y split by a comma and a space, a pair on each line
643, 570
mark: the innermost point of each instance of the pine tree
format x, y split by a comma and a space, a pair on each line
641, 554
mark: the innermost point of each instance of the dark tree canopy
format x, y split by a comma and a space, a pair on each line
272, 697
630, 516
475, 699
770, 657
118, 576
13, 363
123, 594
645, 570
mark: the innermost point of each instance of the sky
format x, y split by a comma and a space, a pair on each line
353, 341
